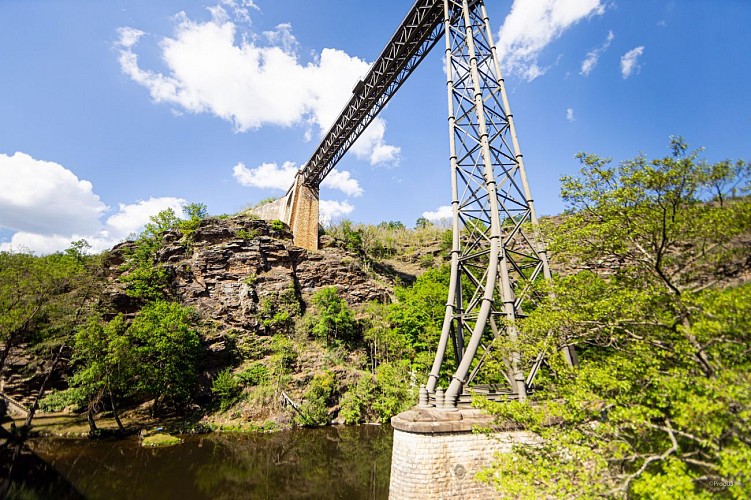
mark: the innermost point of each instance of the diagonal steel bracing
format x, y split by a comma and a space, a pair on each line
496, 256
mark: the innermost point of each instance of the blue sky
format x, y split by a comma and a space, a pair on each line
111, 111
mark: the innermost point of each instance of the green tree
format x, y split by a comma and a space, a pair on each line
422, 223
417, 315
333, 319
42, 301
167, 350
660, 404
104, 365
194, 213
143, 276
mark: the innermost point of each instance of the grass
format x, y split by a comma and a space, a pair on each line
160, 439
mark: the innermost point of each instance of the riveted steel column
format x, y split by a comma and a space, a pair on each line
453, 302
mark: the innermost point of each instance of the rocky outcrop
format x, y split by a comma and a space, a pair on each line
235, 271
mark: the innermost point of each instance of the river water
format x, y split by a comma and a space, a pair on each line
334, 462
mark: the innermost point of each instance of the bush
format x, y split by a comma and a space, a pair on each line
277, 225
318, 398
227, 388
73, 397
334, 320
247, 234
255, 374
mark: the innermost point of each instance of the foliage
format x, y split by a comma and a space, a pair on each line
317, 400
284, 354
104, 360
659, 406
380, 396
333, 319
42, 298
168, 350
247, 234
255, 374
392, 224
143, 276
422, 223
418, 312
227, 388
277, 225
350, 237
384, 342
277, 312
194, 213
42, 302
57, 401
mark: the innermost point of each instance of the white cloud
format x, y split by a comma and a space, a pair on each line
132, 217
533, 25
48, 206
329, 210
266, 175
630, 61
217, 67
593, 56
42, 197
273, 176
441, 213
342, 181
570, 114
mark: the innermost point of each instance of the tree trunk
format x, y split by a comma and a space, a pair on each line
42, 388
90, 418
155, 407
114, 413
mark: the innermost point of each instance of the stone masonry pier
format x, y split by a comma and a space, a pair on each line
436, 455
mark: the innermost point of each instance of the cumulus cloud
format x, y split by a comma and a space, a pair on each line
266, 175
251, 80
273, 176
130, 218
329, 210
630, 61
532, 26
48, 206
593, 56
441, 213
42, 196
343, 181
570, 114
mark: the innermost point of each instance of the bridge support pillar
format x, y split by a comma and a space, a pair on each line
436, 454
302, 217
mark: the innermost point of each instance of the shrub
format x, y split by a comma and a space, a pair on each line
247, 234
255, 374
72, 397
227, 388
318, 398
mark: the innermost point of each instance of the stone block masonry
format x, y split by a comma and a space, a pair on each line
299, 210
436, 455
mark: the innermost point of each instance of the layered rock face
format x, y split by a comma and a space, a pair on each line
236, 269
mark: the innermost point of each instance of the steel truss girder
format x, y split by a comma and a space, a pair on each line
496, 256
420, 30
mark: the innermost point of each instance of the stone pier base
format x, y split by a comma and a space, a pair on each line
436, 455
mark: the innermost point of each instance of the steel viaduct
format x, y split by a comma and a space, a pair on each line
497, 257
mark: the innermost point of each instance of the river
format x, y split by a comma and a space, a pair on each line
333, 462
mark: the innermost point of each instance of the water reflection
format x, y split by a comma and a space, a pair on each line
351, 463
